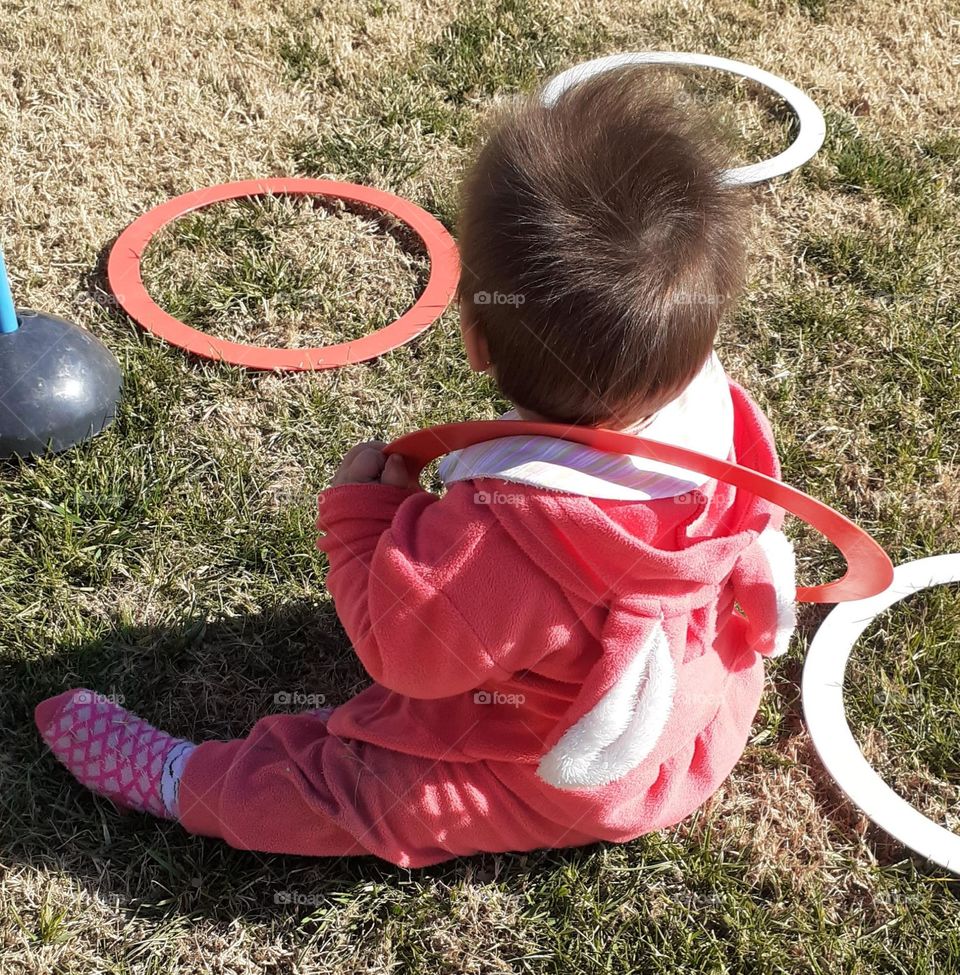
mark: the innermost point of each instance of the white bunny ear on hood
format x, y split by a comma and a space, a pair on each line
622, 728
765, 585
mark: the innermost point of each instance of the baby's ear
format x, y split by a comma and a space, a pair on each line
474, 340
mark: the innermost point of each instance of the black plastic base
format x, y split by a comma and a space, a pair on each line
58, 385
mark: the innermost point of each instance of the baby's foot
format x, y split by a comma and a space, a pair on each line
113, 752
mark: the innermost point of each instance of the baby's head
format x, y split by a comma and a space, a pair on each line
599, 250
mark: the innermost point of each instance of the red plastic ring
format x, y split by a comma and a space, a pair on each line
869, 569
126, 281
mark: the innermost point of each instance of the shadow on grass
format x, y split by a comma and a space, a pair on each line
201, 679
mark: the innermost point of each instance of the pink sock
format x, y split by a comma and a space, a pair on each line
113, 752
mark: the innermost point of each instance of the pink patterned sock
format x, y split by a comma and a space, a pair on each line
113, 752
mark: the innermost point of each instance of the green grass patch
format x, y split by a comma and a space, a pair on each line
878, 267
285, 272
368, 154
864, 163
303, 57
506, 46
897, 687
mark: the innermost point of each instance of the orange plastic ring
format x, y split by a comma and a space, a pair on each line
126, 281
869, 569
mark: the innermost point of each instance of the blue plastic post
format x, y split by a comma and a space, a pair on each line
8, 313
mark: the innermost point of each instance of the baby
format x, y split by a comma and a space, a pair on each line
567, 645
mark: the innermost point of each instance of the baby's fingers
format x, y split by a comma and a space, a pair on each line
364, 463
395, 472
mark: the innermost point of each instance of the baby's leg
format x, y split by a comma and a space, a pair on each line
116, 754
292, 787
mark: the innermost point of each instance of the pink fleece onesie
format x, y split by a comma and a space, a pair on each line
550, 668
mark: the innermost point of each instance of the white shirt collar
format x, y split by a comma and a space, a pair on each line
700, 418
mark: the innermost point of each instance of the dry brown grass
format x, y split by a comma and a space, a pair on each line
106, 109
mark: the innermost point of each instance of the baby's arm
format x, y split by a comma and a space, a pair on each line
427, 589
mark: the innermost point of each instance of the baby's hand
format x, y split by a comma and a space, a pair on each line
367, 463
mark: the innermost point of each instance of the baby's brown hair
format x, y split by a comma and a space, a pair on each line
599, 249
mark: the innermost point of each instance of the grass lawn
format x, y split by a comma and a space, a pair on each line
170, 562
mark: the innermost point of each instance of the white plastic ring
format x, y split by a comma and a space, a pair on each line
827, 722
812, 128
